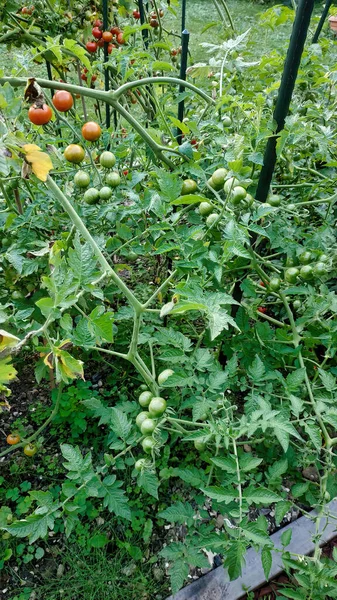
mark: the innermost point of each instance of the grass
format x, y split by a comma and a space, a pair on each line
95, 574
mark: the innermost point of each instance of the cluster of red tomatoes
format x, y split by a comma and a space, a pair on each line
41, 114
84, 76
115, 34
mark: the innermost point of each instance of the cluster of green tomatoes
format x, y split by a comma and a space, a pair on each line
112, 179
148, 419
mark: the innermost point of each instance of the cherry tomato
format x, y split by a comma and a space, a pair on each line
113, 179
40, 116
291, 274
100, 43
84, 77
274, 200
115, 30
189, 187
91, 47
74, 153
13, 438
161, 13
25, 10
96, 32
98, 23
230, 184
306, 272
91, 196
82, 179
91, 131
205, 209
238, 193
275, 284
320, 269
297, 304
105, 193
145, 398
111, 47
93, 78
63, 100
164, 375
120, 38
107, 36
107, 159
305, 258
148, 444
125, 172
136, 14
154, 23
148, 426
141, 417
30, 449
157, 407
199, 445
262, 309
140, 464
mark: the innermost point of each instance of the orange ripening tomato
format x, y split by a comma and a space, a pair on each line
40, 116
13, 438
107, 36
91, 131
63, 100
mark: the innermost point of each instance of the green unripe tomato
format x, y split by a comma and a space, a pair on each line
274, 200
17, 295
107, 160
189, 187
305, 258
82, 179
297, 304
200, 446
226, 121
211, 219
143, 387
113, 179
290, 262
105, 193
320, 269
148, 426
248, 201
140, 464
164, 375
306, 272
238, 193
323, 258
218, 178
291, 206
157, 406
5, 242
205, 208
141, 417
327, 496
291, 275
275, 284
230, 184
91, 196
148, 444
145, 398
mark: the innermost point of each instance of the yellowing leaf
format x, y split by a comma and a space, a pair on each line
40, 161
7, 371
7, 340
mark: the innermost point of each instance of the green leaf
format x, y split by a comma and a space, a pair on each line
149, 482
286, 537
277, 469
98, 540
295, 379
119, 423
160, 65
114, 498
189, 199
178, 573
249, 463
300, 488
294, 594
34, 527
7, 371
235, 558
257, 369
178, 513
328, 380
227, 463
254, 534
267, 561
260, 495
147, 531
190, 475
220, 494
281, 509
314, 433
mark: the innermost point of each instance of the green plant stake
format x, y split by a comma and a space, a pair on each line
185, 36
321, 21
292, 63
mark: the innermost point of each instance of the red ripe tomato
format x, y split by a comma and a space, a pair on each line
111, 47
136, 14
194, 142
174, 52
107, 36
98, 23
83, 77
63, 100
91, 46
262, 283
262, 309
100, 43
126, 172
91, 131
115, 30
154, 23
85, 70
25, 10
120, 38
93, 78
96, 32
40, 116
